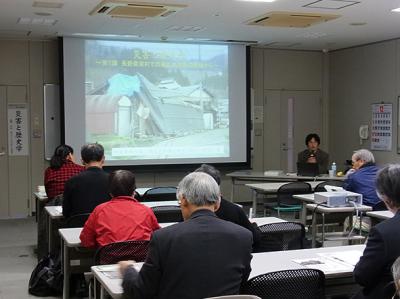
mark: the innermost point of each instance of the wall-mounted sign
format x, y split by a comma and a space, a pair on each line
18, 137
381, 128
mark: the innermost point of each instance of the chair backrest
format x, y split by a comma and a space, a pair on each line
285, 192
235, 297
281, 236
320, 186
76, 220
168, 214
160, 194
288, 284
119, 251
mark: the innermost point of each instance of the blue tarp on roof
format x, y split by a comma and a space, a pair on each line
123, 85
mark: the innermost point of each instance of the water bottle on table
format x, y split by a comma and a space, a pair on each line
332, 171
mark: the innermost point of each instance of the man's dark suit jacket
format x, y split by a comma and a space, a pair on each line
231, 212
83, 192
321, 157
383, 247
201, 257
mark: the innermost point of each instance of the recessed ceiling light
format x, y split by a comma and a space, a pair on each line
37, 21
43, 13
396, 9
107, 35
186, 28
257, 0
197, 39
48, 4
358, 24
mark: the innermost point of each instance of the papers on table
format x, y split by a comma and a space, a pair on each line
58, 209
349, 257
332, 262
112, 271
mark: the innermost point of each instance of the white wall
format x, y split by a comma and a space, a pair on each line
34, 63
24, 67
359, 77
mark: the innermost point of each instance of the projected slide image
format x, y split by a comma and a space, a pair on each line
157, 100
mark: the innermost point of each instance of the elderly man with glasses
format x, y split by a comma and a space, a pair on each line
201, 257
362, 178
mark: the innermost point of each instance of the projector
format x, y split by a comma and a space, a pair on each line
338, 199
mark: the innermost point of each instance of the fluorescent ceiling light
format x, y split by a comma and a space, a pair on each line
257, 0
396, 9
198, 39
107, 35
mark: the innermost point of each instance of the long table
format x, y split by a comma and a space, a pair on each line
308, 204
76, 258
54, 215
339, 279
243, 177
270, 188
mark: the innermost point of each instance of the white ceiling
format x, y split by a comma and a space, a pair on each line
221, 19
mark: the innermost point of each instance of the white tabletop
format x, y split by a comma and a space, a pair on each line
249, 174
41, 196
274, 186
142, 191
265, 262
266, 220
54, 211
261, 263
71, 235
381, 214
305, 197
327, 210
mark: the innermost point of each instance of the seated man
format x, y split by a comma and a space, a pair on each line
201, 257
83, 192
363, 176
229, 211
313, 154
121, 219
396, 276
372, 272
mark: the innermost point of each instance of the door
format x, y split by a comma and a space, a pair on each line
4, 207
14, 168
290, 116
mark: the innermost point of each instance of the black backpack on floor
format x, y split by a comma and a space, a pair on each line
47, 277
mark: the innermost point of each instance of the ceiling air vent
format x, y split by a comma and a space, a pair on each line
291, 19
135, 10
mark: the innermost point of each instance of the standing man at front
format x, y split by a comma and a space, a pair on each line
201, 257
313, 154
83, 192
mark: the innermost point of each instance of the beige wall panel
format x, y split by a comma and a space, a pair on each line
359, 77
3, 157
19, 170
272, 130
292, 70
144, 180
19, 186
257, 82
51, 62
17, 94
36, 100
168, 178
13, 62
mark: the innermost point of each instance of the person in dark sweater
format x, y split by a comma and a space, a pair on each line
372, 271
83, 192
229, 211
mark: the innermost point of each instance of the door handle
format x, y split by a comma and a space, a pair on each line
2, 153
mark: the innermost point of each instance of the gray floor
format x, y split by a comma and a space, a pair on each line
17, 258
